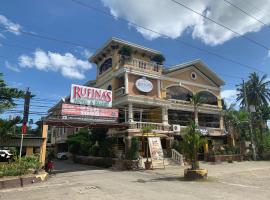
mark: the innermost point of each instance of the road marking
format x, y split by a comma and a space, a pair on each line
239, 185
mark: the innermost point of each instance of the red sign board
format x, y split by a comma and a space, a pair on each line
24, 128
78, 110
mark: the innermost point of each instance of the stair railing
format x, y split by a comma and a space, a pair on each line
177, 157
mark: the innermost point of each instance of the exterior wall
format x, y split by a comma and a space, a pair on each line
134, 91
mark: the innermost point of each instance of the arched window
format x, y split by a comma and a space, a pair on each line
208, 98
105, 65
179, 93
109, 88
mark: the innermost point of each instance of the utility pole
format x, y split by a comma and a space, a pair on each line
25, 117
250, 122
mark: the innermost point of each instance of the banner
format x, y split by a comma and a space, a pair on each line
156, 152
78, 110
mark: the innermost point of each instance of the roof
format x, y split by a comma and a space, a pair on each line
122, 42
200, 66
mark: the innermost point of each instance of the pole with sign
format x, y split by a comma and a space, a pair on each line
25, 117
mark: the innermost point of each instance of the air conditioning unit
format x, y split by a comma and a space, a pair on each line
176, 128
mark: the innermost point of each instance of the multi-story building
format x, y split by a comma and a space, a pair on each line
148, 93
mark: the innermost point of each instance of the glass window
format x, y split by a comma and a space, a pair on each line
208, 120
209, 98
180, 117
179, 93
105, 65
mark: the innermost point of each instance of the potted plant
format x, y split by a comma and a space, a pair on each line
158, 58
192, 142
131, 161
125, 53
146, 130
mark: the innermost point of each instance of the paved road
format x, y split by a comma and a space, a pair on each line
245, 180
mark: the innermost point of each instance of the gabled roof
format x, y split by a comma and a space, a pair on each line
115, 40
198, 64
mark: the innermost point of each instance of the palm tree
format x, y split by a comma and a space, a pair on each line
236, 122
192, 142
257, 91
196, 99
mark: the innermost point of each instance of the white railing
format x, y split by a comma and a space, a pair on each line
177, 157
183, 102
144, 65
119, 92
156, 126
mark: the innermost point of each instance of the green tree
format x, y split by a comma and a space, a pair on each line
257, 91
196, 100
8, 95
192, 142
79, 143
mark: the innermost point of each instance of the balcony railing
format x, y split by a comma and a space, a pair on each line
155, 126
142, 65
119, 92
188, 103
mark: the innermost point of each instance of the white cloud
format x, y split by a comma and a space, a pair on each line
229, 96
11, 26
11, 67
67, 64
171, 19
268, 54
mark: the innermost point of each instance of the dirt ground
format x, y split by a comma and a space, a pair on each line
239, 180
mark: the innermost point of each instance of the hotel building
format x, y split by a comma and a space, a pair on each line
150, 94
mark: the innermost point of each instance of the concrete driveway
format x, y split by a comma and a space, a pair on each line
245, 180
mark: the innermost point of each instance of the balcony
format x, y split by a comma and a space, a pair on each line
188, 104
145, 66
119, 92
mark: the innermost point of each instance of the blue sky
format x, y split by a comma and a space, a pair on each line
49, 67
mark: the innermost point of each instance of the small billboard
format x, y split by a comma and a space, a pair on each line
90, 96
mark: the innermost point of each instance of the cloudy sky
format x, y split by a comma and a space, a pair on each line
44, 45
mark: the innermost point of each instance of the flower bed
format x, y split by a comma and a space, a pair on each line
27, 165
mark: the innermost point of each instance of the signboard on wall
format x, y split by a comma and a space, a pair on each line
90, 96
144, 85
156, 152
78, 110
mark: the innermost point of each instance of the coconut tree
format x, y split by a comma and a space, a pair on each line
257, 91
192, 142
196, 100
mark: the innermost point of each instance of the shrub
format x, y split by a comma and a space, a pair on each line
159, 59
20, 167
125, 51
133, 152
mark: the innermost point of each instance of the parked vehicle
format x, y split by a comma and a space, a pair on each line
5, 156
62, 155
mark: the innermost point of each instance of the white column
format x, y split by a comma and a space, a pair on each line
164, 115
130, 112
158, 88
126, 83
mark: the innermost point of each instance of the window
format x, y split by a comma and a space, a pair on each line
179, 93
105, 65
208, 120
109, 88
193, 75
180, 117
209, 98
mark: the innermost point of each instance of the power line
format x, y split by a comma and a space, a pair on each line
219, 24
45, 37
164, 35
245, 12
